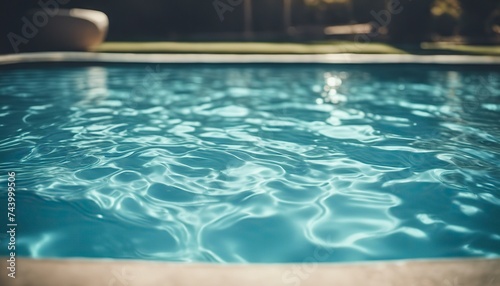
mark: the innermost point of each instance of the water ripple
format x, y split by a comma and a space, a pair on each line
253, 163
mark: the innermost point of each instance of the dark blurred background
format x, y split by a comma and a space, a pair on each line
470, 21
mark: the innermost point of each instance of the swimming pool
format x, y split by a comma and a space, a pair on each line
253, 163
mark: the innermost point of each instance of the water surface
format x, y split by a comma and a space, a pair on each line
253, 163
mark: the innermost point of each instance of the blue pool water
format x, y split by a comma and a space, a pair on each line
252, 163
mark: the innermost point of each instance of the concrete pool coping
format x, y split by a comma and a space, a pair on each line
463, 272
246, 58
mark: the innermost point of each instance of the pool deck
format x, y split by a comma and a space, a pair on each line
246, 58
465, 272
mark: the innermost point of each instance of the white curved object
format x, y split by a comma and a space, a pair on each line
71, 29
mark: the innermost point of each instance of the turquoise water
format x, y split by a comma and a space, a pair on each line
252, 163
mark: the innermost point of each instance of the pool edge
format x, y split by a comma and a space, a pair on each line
452, 272
83, 57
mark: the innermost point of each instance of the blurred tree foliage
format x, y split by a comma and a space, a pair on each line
476, 17
161, 20
330, 12
361, 9
412, 24
446, 15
